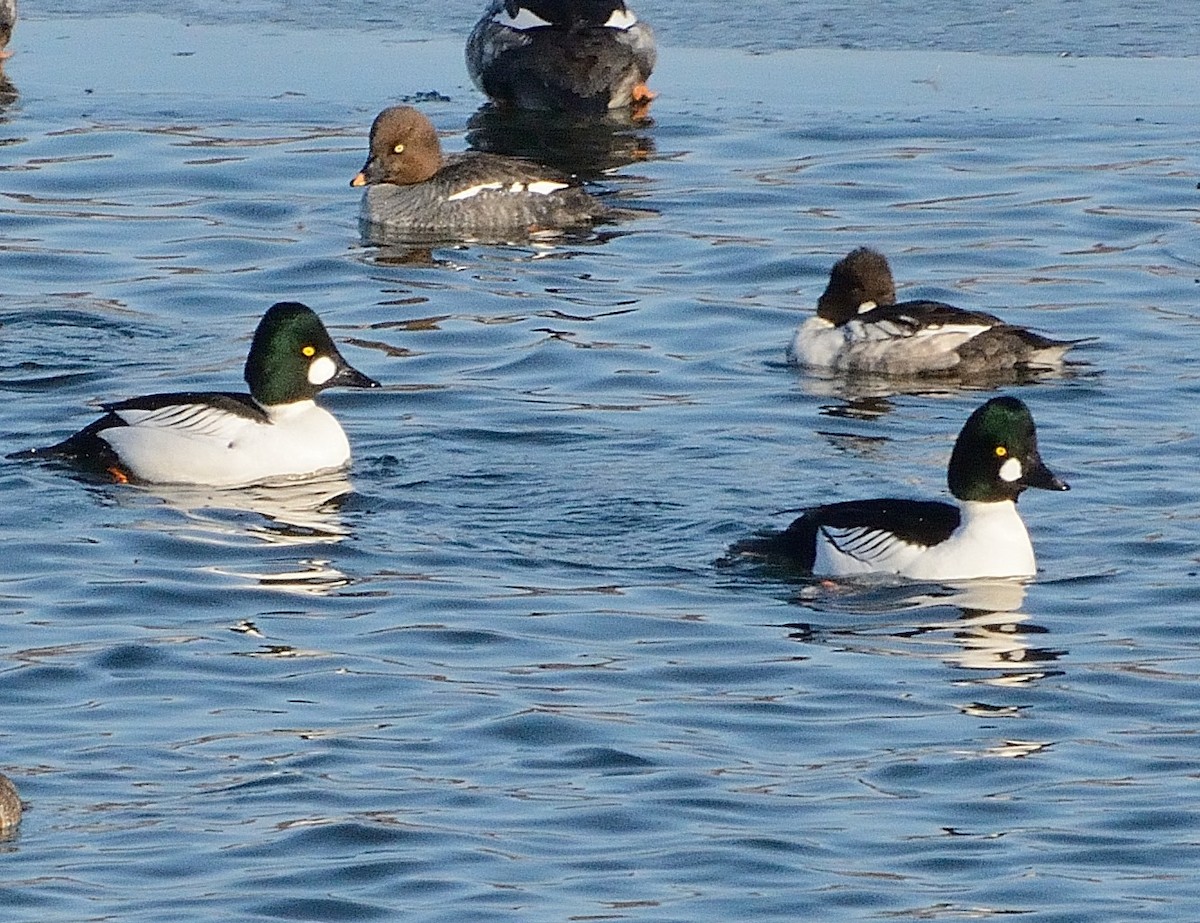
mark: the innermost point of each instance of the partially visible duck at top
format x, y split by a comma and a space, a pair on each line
981, 535
8, 19
860, 327
582, 57
229, 439
411, 189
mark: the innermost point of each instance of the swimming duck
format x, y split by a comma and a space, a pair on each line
412, 189
576, 56
224, 439
8, 19
859, 327
10, 805
995, 458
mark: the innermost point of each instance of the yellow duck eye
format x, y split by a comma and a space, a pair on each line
1001, 451
398, 149
309, 351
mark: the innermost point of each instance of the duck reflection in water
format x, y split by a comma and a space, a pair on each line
869, 397
301, 511
298, 518
976, 625
588, 148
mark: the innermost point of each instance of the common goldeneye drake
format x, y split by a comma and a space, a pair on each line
8, 19
575, 56
225, 439
859, 327
412, 189
994, 459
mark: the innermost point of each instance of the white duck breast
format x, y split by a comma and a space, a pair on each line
992, 541
202, 444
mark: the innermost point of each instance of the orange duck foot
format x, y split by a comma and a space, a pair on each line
640, 99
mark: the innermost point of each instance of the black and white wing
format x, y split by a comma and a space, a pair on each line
211, 415
877, 535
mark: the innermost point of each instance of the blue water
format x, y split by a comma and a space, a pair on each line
495, 672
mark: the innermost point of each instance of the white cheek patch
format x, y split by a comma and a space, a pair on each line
320, 370
1011, 470
525, 19
621, 19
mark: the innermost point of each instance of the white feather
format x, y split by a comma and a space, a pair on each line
472, 191
860, 551
817, 343
880, 346
201, 421
525, 19
537, 187
544, 187
621, 19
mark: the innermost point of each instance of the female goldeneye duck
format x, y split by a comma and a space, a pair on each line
995, 458
413, 189
575, 56
224, 439
10, 805
859, 327
8, 19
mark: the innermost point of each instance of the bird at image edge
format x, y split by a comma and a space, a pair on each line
228, 439
10, 805
579, 57
8, 19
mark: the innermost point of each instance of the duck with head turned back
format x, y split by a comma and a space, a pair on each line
230, 439
583, 57
859, 327
412, 190
995, 459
